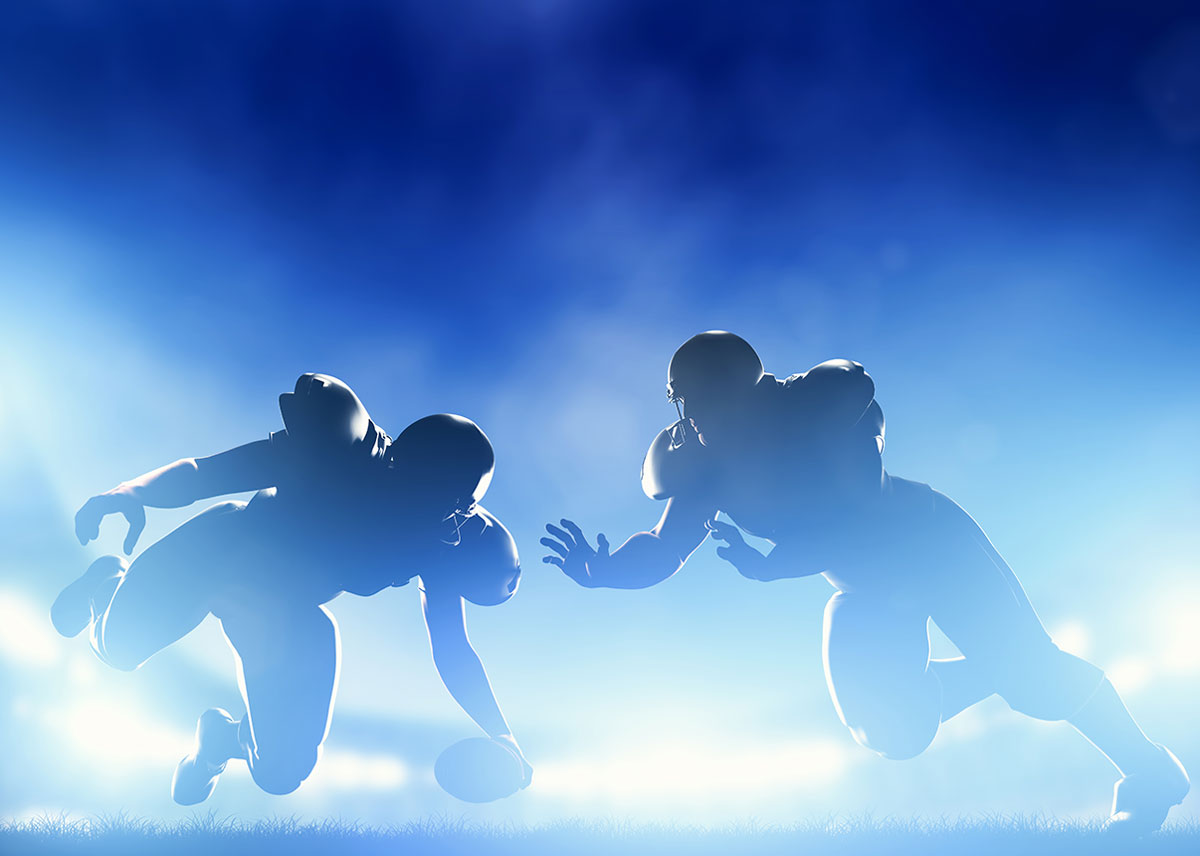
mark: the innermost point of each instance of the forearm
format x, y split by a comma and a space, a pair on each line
248, 467
782, 564
642, 561
464, 676
172, 486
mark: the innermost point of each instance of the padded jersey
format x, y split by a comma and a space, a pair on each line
341, 505
810, 447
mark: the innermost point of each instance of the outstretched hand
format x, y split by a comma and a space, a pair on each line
573, 554
88, 518
750, 563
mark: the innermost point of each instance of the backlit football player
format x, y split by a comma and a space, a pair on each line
339, 507
798, 462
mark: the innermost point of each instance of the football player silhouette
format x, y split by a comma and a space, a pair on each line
340, 507
799, 462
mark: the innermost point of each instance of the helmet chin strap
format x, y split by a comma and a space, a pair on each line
457, 519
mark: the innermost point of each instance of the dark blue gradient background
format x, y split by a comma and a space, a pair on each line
516, 211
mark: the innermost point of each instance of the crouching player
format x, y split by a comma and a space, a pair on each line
798, 462
339, 507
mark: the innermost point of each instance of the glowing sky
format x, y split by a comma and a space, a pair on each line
517, 215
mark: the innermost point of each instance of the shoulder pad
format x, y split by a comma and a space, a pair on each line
323, 412
672, 464
487, 568
839, 388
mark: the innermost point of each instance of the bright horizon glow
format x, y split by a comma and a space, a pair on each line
686, 769
26, 638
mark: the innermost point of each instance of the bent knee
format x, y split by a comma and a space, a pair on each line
896, 740
128, 664
125, 664
897, 724
278, 772
124, 657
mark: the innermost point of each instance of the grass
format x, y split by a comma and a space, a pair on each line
865, 836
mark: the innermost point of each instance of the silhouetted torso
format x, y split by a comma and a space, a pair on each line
785, 472
340, 523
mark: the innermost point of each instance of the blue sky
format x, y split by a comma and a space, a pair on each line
517, 215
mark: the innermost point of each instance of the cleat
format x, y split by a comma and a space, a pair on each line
73, 609
197, 774
1141, 800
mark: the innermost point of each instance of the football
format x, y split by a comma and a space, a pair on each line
478, 770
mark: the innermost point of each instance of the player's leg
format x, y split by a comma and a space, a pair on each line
876, 653
892, 554
963, 684
288, 658
137, 610
982, 607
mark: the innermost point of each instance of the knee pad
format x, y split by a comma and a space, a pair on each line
1049, 684
897, 736
888, 698
899, 723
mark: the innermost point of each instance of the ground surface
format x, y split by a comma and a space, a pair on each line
865, 836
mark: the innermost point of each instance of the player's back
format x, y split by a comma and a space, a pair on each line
328, 517
811, 456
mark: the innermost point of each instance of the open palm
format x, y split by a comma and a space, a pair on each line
572, 552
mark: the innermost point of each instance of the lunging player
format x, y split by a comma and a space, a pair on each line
798, 462
339, 507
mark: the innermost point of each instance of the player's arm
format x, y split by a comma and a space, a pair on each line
645, 559
779, 564
459, 666
248, 467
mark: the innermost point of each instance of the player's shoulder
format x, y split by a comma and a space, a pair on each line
838, 368
323, 412
324, 418
830, 378
674, 463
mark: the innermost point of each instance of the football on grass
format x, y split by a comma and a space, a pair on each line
478, 770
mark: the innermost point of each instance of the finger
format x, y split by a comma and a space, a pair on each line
560, 535
137, 522
727, 532
552, 560
724, 552
555, 546
574, 530
87, 522
602, 543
